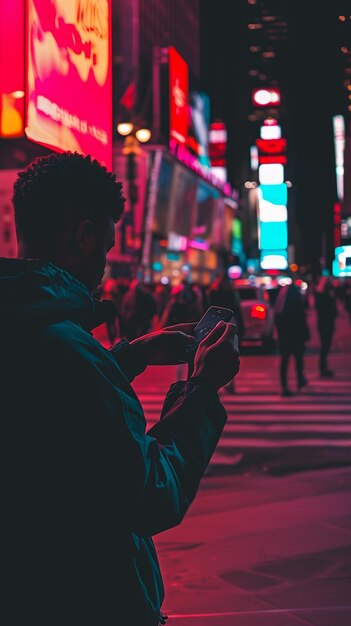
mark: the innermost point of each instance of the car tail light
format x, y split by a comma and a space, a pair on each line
259, 311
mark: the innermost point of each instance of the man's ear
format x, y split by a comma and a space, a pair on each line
84, 235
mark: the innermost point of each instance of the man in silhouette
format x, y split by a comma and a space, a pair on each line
84, 485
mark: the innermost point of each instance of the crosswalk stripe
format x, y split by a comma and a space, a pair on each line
270, 421
261, 420
237, 409
236, 444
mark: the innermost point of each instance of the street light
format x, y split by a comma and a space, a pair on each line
124, 128
141, 132
134, 134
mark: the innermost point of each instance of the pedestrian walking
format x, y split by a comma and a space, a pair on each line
293, 333
326, 308
84, 486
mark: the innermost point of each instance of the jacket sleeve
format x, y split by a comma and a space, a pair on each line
129, 362
157, 473
179, 448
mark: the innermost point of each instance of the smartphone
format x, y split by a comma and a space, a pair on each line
208, 321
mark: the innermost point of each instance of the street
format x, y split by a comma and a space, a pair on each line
310, 429
257, 550
267, 541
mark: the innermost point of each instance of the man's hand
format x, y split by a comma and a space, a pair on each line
217, 358
166, 346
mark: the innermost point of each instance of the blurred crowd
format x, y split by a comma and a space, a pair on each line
142, 307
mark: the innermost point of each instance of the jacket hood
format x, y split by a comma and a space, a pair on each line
35, 294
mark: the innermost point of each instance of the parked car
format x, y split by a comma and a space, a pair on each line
258, 314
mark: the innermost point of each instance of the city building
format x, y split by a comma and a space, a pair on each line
138, 66
303, 49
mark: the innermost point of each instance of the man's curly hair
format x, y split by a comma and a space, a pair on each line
63, 188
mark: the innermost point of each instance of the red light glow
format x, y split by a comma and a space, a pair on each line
271, 146
276, 158
259, 312
270, 121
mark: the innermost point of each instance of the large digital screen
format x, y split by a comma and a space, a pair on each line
69, 85
342, 261
237, 241
274, 259
160, 223
273, 235
198, 134
219, 224
11, 68
178, 97
182, 201
206, 199
221, 236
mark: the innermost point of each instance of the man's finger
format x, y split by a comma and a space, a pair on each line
230, 335
230, 330
214, 334
178, 339
236, 344
187, 328
222, 331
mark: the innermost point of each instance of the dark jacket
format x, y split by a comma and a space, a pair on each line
83, 486
325, 303
290, 319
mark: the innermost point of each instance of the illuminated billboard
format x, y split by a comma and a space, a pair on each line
270, 131
274, 260
342, 261
181, 201
178, 97
272, 174
198, 132
273, 226
272, 203
69, 81
273, 235
339, 149
11, 68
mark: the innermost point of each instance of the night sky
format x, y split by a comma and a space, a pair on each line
310, 73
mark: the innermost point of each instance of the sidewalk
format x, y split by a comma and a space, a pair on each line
159, 378
261, 548
257, 550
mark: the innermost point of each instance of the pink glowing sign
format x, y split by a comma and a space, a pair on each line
11, 68
179, 97
69, 83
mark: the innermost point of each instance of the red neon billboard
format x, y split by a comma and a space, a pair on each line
11, 68
69, 79
271, 146
178, 97
275, 158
